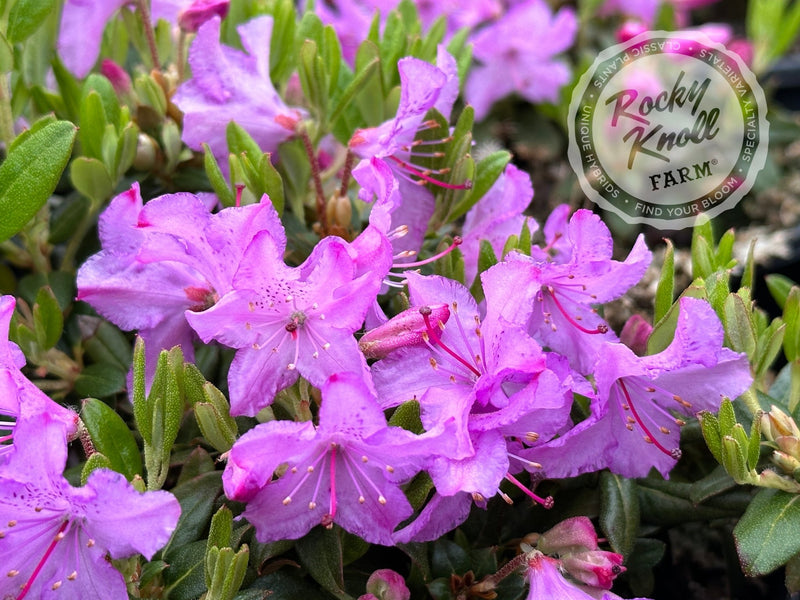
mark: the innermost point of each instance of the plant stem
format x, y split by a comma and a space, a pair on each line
320, 193
147, 22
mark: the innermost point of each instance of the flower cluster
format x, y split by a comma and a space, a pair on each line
367, 334
55, 537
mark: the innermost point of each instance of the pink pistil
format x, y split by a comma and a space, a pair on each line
650, 437
546, 502
456, 243
425, 311
450, 186
573, 322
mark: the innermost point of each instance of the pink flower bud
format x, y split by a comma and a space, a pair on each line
573, 535
406, 329
635, 334
119, 78
385, 584
629, 30
201, 11
596, 568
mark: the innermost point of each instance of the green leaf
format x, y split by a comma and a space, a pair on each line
727, 417
619, 511
94, 462
666, 284
93, 125
360, 81
779, 287
104, 342
100, 381
766, 536
217, 179
141, 411
185, 577
47, 319
30, 173
92, 179
311, 69
273, 183
320, 552
749, 273
709, 425
112, 437
26, 16
196, 497
487, 171
448, 558
791, 316
739, 329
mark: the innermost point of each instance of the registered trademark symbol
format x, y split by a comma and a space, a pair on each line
714, 161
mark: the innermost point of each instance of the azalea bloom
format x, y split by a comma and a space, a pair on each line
19, 398
230, 85
553, 295
496, 217
516, 54
346, 470
289, 322
56, 539
642, 401
165, 258
489, 377
89, 17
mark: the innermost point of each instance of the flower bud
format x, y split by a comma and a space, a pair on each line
573, 535
635, 333
200, 11
385, 584
596, 568
119, 78
406, 329
777, 423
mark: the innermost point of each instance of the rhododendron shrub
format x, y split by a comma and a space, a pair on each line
282, 315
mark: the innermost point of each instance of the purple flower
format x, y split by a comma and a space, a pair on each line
546, 580
346, 470
55, 538
497, 216
229, 85
83, 23
287, 321
385, 584
633, 428
165, 258
19, 398
554, 296
516, 55
489, 377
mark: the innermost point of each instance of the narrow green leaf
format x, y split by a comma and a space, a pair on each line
766, 536
217, 179
739, 329
219, 534
487, 171
702, 258
93, 125
359, 81
313, 80
769, 345
727, 417
47, 319
754, 447
141, 411
724, 253
273, 183
26, 17
734, 459
709, 425
791, 317
30, 173
749, 273
779, 287
619, 511
666, 284
112, 437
